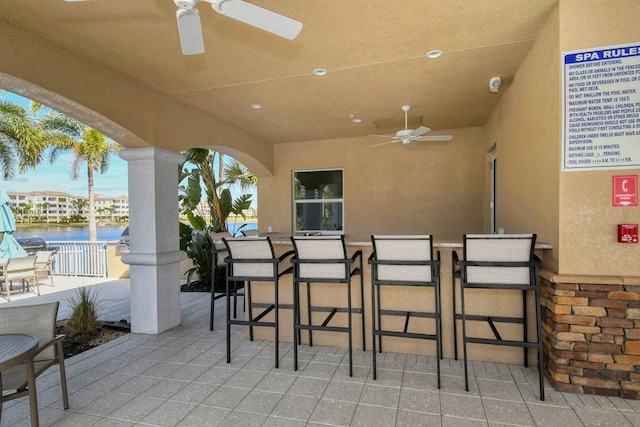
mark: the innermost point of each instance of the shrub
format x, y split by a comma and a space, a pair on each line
84, 314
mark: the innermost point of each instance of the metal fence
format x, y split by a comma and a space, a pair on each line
79, 258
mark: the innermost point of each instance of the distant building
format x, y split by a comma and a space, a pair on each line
205, 211
56, 206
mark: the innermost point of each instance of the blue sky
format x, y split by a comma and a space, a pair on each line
57, 177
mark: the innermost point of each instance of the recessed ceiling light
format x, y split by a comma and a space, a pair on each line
320, 72
355, 119
433, 54
256, 106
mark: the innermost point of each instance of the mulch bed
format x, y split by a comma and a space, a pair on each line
77, 343
197, 286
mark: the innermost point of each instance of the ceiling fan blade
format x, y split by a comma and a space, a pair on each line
419, 131
411, 145
385, 143
190, 31
258, 17
435, 138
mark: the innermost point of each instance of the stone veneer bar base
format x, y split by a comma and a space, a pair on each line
591, 333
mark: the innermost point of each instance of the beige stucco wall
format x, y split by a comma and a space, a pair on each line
118, 269
588, 221
570, 210
436, 188
524, 128
115, 267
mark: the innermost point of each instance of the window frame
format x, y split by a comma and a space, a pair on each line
296, 202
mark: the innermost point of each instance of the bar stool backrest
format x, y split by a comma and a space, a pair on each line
221, 249
257, 248
499, 248
403, 248
321, 248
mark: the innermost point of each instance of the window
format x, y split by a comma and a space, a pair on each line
318, 204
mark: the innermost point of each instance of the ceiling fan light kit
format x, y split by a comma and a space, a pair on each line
409, 137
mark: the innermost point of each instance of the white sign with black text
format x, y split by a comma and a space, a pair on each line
601, 108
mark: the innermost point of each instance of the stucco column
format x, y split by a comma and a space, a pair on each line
154, 252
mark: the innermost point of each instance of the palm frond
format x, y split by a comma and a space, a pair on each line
7, 158
239, 174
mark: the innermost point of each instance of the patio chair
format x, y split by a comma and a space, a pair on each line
40, 321
498, 262
250, 233
23, 269
405, 262
323, 259
44, 268
218, 254
250, 261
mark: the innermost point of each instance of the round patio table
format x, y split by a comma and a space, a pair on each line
14, 350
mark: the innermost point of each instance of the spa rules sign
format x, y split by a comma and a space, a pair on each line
601, 108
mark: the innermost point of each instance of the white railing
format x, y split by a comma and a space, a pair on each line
79, 258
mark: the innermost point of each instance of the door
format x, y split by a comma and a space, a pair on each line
492, 203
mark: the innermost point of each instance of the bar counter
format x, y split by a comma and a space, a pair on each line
502, 303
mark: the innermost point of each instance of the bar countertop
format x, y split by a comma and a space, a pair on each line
285, 239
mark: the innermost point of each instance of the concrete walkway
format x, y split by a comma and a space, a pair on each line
181, 378
112, 294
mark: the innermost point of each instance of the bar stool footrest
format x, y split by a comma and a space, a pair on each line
389, 333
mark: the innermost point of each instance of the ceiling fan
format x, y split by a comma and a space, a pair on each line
190, 28
408, 137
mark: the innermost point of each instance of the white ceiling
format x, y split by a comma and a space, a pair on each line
374, 51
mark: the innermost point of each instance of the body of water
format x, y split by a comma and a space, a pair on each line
105, 233
63, 233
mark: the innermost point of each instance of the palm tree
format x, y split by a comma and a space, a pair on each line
21, 140
88, 147
46, 206
110, 210
79, 205
238, 174
221, 168
27, 209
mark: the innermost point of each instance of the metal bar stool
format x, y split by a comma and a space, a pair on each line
404, 261
253, 260
323, 259
503, 262
218, 254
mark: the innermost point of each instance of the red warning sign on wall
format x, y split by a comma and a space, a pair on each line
625, 190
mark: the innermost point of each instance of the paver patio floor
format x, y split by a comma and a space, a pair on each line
181, 378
